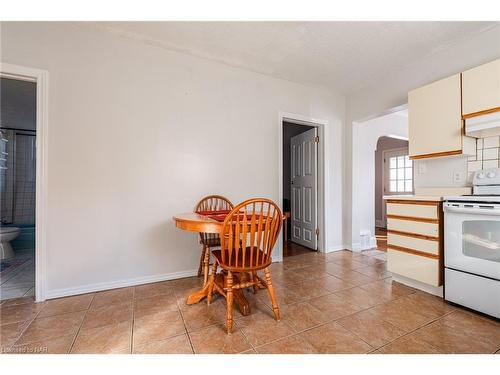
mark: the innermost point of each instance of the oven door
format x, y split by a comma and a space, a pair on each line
472, 238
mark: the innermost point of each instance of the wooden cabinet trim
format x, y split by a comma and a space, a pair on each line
417, 202
481, 113
413, 252
421, 236
411, 218
437, 154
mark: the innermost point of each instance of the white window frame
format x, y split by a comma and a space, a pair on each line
386, 155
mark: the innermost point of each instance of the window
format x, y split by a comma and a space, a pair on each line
400, 173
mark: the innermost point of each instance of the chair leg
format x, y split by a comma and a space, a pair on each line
206, 264
229, 300
212, 282
254, 280
202, 258
272, 295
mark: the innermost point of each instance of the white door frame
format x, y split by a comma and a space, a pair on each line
41, 77
321, 168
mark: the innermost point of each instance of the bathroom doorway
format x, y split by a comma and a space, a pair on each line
18, 100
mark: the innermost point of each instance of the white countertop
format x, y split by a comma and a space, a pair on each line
414, 197
436, 194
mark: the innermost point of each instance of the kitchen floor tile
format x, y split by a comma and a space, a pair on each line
215, 340
303, 315
333, 338
108, 339
154, 290
401, 314
153, 305
158, 327
288, 345
112, 297
370, 328
57, 345
42, 329
334, 306
66, 305
260, 329
359, 297
174, 345
108, 314
19, 313
408, 345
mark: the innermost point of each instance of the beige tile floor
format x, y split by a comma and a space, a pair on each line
335, 303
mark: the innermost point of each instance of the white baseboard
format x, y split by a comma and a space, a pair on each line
437, 291
89, 288
355, 247
336, 248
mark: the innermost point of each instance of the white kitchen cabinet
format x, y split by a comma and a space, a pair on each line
415, 240
481, 89
435, 120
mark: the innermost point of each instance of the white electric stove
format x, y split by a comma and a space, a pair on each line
472, 245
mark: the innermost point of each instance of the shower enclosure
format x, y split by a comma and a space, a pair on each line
18, 177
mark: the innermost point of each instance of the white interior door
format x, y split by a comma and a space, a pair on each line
304, 188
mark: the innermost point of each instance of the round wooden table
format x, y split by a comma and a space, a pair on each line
194, 222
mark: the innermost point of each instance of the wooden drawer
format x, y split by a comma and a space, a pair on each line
420, 268
423, 211
413, 243
415, 227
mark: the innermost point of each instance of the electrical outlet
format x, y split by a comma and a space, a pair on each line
458, 176
422, 167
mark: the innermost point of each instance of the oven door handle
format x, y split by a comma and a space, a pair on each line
473, 211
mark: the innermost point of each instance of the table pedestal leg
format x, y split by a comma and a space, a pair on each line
238, 296
198, 296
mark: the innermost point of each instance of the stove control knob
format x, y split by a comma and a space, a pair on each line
490, 174
480, 175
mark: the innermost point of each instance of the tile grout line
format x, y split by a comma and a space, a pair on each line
307, 300
24, 330
418, 328
246, 338
185, 325
81, 324
337, 319
133, 322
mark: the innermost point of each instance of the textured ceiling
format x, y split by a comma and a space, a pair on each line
345, 55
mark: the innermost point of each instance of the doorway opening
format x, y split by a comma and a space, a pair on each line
40, 79
367, 189
300, 188
18, 105
393, 176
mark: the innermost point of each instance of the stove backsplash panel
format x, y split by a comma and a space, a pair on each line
487, 156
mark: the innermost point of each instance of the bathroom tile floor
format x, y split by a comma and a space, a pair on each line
340, 302
21, 281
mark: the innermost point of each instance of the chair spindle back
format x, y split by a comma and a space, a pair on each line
212, 203
249, 234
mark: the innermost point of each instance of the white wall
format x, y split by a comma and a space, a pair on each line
364, 142
392, 91
439, 172
138, 133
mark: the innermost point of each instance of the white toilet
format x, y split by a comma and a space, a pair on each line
7, 234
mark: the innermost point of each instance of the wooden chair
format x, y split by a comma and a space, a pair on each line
248, 235
210, 240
